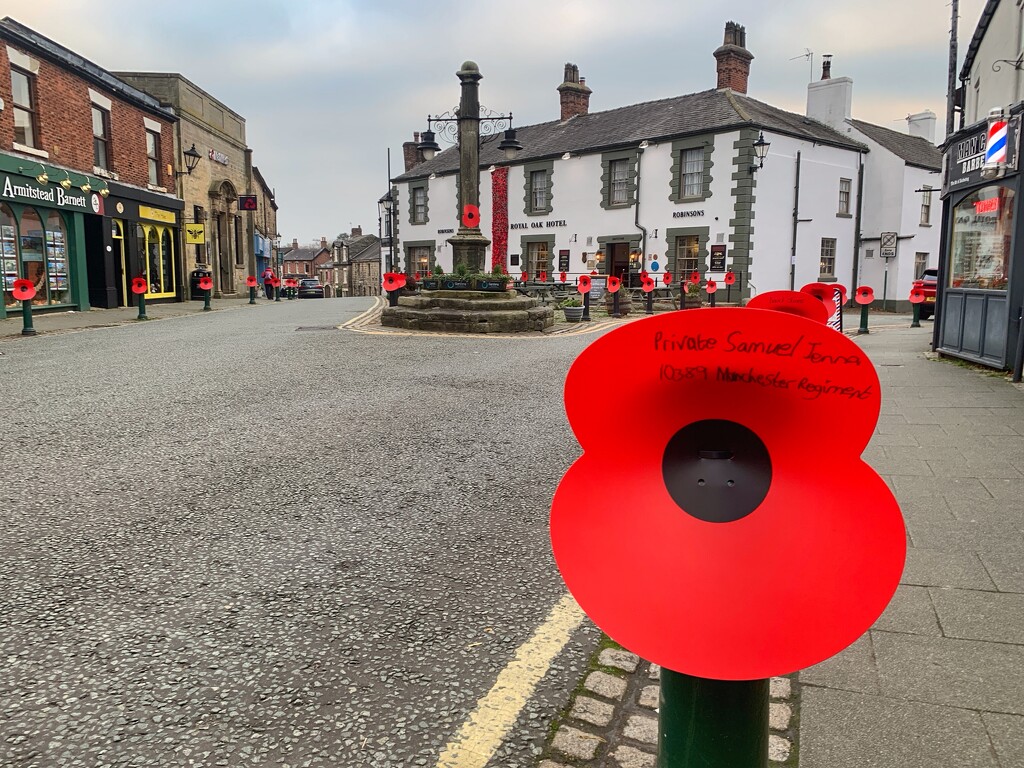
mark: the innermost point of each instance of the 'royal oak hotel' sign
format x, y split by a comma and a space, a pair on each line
966, 158
20, 190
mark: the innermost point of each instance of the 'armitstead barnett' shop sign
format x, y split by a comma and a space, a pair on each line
21, 190
965, 158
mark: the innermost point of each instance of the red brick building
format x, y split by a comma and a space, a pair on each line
86, 180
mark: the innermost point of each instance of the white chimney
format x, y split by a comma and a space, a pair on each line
922, 124
830, 101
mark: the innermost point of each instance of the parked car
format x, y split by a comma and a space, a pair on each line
928, 283
311, 288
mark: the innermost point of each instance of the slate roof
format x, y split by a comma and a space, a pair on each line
914, 150
365, 248
666, 119
68, 59
304, 254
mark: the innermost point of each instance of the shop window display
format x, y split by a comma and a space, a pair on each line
57, 260
159, 260
8, 254
982, 239
33, 265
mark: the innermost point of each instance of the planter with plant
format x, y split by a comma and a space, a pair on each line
573, 309
495, 281
692, 296
433, 282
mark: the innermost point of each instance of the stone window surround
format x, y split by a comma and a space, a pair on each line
423, 184
431, 259
707, 141
630, 155
632, 240
703, 235
528, 171
525, 240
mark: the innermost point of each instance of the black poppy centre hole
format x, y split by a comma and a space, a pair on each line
716, 470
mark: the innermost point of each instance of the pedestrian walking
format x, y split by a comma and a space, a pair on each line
268, 283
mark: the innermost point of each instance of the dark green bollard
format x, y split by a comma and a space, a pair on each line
916, 322
142, 307
206, 300
252, 295
712, 723
863, 319
26, 318
615, 305
650, 303
277, 293
586, 306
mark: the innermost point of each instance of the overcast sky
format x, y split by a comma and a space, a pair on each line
327, 86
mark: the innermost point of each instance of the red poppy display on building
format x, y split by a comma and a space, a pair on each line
23, 290
139, 285
393, 281
729, 546
499, 217
864, 295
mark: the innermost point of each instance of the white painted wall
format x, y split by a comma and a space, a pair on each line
1004, 39
576, 200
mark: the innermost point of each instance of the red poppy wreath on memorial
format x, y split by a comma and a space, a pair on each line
729, 546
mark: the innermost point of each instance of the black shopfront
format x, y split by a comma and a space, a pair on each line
981, 272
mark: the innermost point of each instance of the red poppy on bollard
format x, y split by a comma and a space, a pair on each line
543, 277
251, 281
291, 282
470, 216
393, 281
842, 290
793, 302
614, 284
710, 287
647, 284
730, 277
583, 285
864, 295
23, 290
139, 285
695, 276
824, 293
643, 274
205, 283
667, 278
562, 276
524, 277
713, 495
916, 296
276, 282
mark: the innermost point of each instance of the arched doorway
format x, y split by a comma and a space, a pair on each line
223, 237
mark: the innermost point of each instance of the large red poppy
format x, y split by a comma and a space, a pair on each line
524, 277
470, 216
542, 276
794, 302
710, 287
393, 281
730, 277
139, 285
614, 284
695, 276
729, 546
276, 282
916, 296
583, 284
864, 295
825, 293
291, 282
562, 277
23, 290
667, 278
647, 284
205, 283
251, 281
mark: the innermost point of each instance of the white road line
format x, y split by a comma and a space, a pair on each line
481, 735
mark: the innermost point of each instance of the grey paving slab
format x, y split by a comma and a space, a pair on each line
975, 615
894, 438
965, 535
989, 511
924, 453
852, 669
841, 729
938, 568
985, 468
950, 487
1007, 735
910, 610
1010, 490
950, 672
1006, 570
922, 509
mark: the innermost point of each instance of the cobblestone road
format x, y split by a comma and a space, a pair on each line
229, 542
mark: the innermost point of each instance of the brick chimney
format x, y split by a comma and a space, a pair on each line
323, 242
573, 93
295, 243
357, 231
411, 152
734, 59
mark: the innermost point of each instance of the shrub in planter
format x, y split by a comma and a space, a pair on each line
573, 309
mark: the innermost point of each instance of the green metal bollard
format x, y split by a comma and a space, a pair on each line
206, 300
277, 293
26, 317
916, 322
863, 319
142, 307
712, 723
252, 295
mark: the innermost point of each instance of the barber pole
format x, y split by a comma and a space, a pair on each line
995, 147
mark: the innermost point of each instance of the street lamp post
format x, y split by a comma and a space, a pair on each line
388, 213
469, 243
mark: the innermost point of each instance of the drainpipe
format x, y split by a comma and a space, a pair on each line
636, 218
796, 221
856, 225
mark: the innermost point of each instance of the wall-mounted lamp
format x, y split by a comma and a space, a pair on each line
87, 187
105, 191
42, 178
66, 181
760, 152
599, 256
192, 158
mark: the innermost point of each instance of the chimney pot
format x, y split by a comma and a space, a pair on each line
826, 66
573, 93
734, 59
